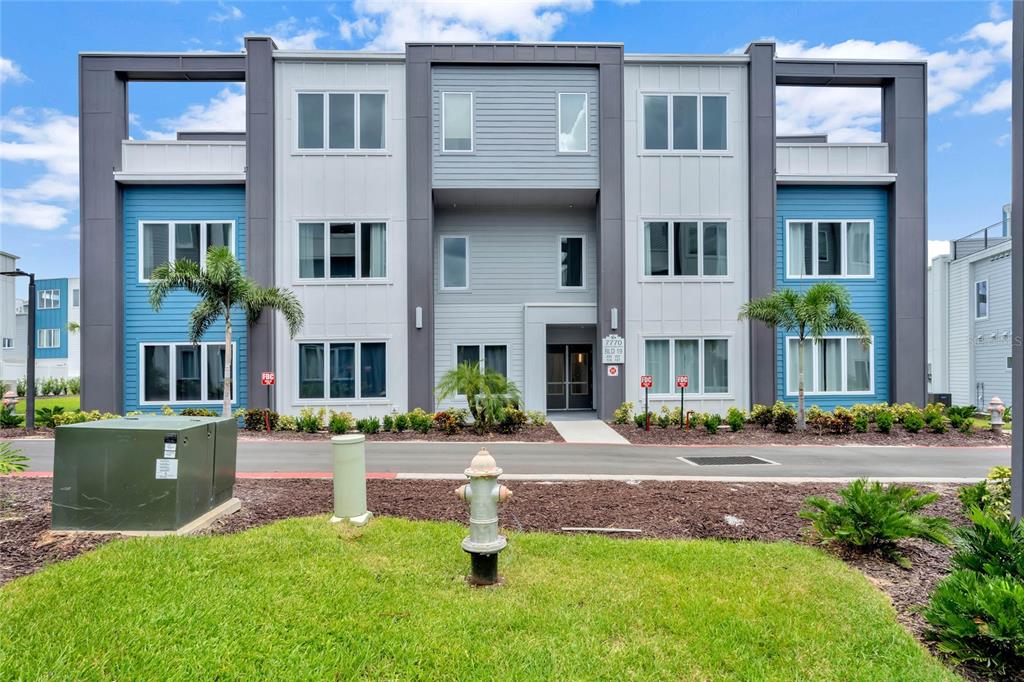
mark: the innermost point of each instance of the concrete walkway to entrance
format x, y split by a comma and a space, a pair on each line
593, 430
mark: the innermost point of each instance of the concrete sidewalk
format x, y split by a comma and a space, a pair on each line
588, 431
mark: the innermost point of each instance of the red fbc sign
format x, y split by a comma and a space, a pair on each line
646, 381
268, 379
682, 381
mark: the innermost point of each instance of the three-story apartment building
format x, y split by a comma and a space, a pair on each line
567, 214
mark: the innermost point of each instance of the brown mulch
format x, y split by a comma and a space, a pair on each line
755, 435
20, 432
527, 434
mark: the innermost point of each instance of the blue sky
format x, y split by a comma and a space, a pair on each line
966, 44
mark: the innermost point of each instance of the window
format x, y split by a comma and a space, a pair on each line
48, 338
831, 365
457, 122
48, 299
353, 250
344, 121
685, 123
74, 297
573, 130
490, 358
162, 242
342, 370
705, 362
8, 342
454, 263
829, 248
686, 249
981, 299
184, 373
1009, 358
571, 262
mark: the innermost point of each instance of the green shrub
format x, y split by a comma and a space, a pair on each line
932, 410
913, 420
488, 393
342, 422
401, 422
448, 421
841, 421
966, 427
512, 421
199, 412
79, 417
623, 413
712, 422
1008, 415
287, 422
960, 415
874, 517
993, 545
664, 419
11, 460
387, 423
861, 422
420, 421
368, 425
900, 411
537, 418
74, 386
972, 496
885, 419
783, 417
255, 419
9, 420
45, 415
997, 492
762, 415
311, 420
937, 424
697, 419
735, 418
21, 387
817, 418
640, 420
49, 386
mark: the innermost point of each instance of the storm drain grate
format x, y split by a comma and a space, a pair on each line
725, 460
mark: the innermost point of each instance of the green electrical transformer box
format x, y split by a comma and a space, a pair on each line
146, 473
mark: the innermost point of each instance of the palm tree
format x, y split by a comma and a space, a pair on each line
824, 307
488, 393
221, 286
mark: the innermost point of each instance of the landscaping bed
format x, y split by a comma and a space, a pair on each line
754, 435
526, 434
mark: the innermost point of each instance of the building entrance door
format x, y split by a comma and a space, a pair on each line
570, 376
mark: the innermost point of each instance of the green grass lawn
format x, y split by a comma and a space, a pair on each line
68, 402
302, 599
985, 423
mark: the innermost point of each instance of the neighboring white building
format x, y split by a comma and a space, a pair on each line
9, 337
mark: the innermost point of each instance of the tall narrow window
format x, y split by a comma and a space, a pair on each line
74, 298
858, 366
188, 373
154, 247
311, 121
341, 128
571, 262
496, 359
688, 362
455, 263
457, 121
830, 364
373, 366
981, 299
714, 122
716, 253
687, 249
311, 370
186, 242
572, 122
343, 250
793, 372
684, 122
374, 249
311, 250
371, 121
716, 366
215, 372
157, 371
343, 370
218, 234
657, 365
656, 249
467, 355
655, 122
829, 242
858, 249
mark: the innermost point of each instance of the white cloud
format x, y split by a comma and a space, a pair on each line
392, 23
945, 146
289, 35
996, 12
937, 247
225, 111
11, 72
996, 34
1003, 140
227, 13
996, 99
46, 138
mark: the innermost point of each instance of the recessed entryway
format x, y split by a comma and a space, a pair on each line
570, 376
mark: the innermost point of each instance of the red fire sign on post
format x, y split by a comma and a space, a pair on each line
682, 381
646, 381
268, 379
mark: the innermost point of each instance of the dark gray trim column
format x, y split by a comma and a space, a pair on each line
102, 124
1017, 256
259, 200
761, 169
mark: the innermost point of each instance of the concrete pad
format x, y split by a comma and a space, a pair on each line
588, 431
194, 526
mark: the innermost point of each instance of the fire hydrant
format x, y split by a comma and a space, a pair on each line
996, 410
483, 492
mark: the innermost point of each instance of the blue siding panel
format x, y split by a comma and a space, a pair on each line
53, 318
870, 296
141, 323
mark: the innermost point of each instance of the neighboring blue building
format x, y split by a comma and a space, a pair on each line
57, 319
162, 367
839, 234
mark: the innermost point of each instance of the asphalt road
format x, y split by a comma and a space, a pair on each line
554, 460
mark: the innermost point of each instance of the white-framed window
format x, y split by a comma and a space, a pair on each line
339, 250
573, 128
75, 297
454, 262
456, 122
834, 364
830, 249
342, 370
8, 342
183, 372
48, 338
572, 260
686, 248
685, 122
163, 241
490, 357
705, 362
48, 299
341, 121
981, 299
1009, 362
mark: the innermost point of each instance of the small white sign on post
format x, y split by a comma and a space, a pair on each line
613, 350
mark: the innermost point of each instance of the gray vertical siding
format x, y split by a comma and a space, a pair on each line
515, 127
991, 337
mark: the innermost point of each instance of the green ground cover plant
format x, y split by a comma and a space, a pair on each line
389, 602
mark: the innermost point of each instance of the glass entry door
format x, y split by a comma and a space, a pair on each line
570, 379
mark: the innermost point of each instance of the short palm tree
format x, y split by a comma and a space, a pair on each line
221, 286
488, 393
824, 307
